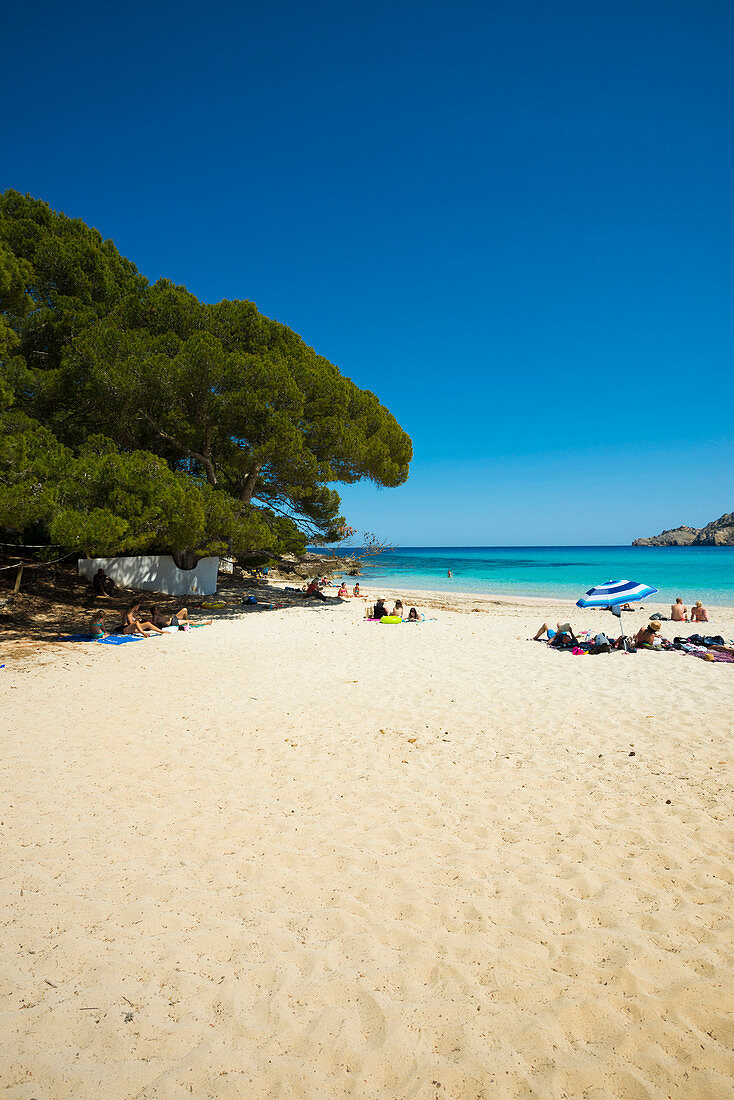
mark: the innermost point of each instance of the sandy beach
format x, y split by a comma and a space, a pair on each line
301, 855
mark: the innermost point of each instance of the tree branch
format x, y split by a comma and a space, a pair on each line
202, 458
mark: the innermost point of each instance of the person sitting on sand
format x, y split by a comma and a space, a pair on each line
160, 620
131, 624
646, 635
398, 609
314, 592
102, 584
679, 613
97, 626
379, 609
560, 638
356, 592
699, 614
343, 591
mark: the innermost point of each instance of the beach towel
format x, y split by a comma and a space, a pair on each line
119, 639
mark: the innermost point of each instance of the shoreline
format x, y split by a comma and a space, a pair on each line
464, 600
560, 573
507, 596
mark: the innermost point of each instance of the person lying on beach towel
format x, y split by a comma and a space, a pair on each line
161, 621
414, 616
131, 624
560, 638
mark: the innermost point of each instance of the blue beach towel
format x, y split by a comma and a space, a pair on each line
111, 639
119, 639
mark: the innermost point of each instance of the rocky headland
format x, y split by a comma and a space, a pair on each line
720, 532
292, 568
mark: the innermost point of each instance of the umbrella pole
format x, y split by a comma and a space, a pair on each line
624, 639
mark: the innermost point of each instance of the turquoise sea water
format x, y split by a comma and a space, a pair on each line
703, 573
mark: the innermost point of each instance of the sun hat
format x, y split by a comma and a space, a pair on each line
655, 625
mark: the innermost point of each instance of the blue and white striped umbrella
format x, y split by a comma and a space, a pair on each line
614, 593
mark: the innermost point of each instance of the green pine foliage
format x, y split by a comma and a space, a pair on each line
134, 417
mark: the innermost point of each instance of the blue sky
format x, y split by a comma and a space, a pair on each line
513, 222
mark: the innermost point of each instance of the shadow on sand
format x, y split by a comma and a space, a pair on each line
55, 601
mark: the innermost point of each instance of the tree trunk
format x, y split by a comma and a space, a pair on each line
250, 482
185, 559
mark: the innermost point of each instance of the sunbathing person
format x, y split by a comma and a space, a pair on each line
356, 592
343, 592
97, 626
398, 609
160, 620
414, 616
131, 624
647, 634
679, 613
379, 609
560, 638
699, 614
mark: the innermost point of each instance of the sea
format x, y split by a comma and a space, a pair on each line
566, 572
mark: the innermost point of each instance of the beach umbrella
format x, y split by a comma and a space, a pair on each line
615, 593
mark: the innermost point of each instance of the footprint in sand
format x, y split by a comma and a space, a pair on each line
372, 1020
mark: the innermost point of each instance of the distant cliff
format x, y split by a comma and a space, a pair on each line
720, 532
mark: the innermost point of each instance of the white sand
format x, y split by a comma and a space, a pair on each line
298, 855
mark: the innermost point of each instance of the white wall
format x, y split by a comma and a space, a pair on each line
156, 573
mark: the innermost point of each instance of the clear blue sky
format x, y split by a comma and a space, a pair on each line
511, 221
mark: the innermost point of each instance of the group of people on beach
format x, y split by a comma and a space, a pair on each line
344, 591
679, 612
380, 611
315, 589
647, 636
135, 621
563, 637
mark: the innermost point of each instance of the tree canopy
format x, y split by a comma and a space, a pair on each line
134, 417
